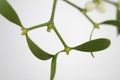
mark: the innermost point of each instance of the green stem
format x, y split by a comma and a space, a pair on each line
60, 37
81, 10
72, 4
110, 2
89, 19
54, 28
92, 54
91, 33
37, 26
53, 10
90, 40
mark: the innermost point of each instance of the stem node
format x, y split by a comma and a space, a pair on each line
67, 50
50, 26
24, 31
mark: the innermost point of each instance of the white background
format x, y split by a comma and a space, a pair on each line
18, 63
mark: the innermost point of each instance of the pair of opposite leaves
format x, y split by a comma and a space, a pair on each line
91, 46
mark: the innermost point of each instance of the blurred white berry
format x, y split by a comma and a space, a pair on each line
100, 7
89, 6
97, 4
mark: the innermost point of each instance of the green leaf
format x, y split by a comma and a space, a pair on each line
39, 53
114, 23
53, 67
94, 45
9, 13
118, 14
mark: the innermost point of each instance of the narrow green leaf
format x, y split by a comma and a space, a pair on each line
111, 22
9, 13
118, 14
39, 53
114, 23
53, 67
94, 45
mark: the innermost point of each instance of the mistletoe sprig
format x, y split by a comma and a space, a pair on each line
91, 46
